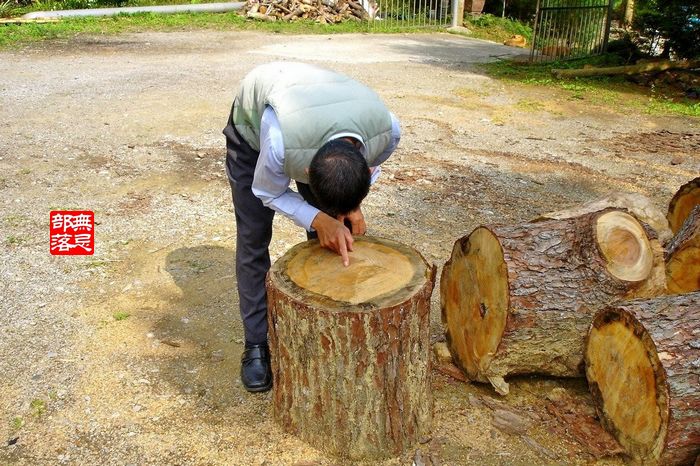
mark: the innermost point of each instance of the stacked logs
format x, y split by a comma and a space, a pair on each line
322, 11
519, 299
556, 296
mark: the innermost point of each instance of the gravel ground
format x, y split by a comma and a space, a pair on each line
130, 126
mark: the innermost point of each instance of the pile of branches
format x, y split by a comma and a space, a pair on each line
322, 11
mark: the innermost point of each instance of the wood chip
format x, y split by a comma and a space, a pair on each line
451, 370
577, 420
509, 422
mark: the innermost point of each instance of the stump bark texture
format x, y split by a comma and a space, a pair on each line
685, 199
683, 256
519, 299
643, 369
350, 347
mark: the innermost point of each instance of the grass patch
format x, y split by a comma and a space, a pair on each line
604, 90
686, 107
13, 35
121, 315
93, 264
496, 29
38, 407
14, 240
14, 220
16, 423
527, 105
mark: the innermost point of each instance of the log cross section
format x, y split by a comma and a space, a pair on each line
643, 369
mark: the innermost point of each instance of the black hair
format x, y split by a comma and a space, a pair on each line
339, 177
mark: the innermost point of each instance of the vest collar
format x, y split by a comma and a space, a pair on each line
355, 136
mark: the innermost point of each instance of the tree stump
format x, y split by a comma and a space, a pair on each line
350, 347
687, 197
637, 204
683, 256
519, 299
643, 369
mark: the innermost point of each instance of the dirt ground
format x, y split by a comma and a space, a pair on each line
130, 126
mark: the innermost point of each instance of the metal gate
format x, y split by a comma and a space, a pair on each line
391, 14
567, 29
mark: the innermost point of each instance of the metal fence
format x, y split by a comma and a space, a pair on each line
390, 14
567, 29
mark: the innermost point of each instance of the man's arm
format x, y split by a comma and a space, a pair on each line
271, 186
270, 183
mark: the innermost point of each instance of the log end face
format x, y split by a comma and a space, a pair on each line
381, 273
628, 383
625, 246
687, 197
683, 270
474, 299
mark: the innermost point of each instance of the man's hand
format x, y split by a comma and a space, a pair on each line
333, 235
357, 221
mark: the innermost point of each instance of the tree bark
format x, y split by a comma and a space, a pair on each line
519, 299
637, 204
685, 199
629, 13
653, 67
350, 347
642, 365
683, 256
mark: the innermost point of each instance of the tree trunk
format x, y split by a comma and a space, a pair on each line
350, 347
519, 299
640, 68
642, 362
683, 256
629, 13
687, 197
637, 204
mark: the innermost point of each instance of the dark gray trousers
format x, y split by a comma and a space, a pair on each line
253, 234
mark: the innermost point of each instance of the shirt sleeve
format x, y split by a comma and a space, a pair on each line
270, 183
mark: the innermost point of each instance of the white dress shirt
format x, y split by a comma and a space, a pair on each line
271, 184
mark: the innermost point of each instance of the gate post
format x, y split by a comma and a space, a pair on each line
457, 13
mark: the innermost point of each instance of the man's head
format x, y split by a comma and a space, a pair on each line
339, 177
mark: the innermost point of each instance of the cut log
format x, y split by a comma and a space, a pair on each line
687, 197
351, 347
653, 67
643, 369
637, 204
519, 299
683, 256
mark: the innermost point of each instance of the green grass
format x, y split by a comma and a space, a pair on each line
496, 29
38, 407
16, 423
93, 264
613, 91
14, 35
14, 240
15, 220
121, 315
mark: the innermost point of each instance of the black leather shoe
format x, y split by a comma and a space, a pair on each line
256, 374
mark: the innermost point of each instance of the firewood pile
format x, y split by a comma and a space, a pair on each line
322, 11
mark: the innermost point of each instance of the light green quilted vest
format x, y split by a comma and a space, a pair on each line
312, 105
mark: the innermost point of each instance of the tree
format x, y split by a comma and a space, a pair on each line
673, 23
